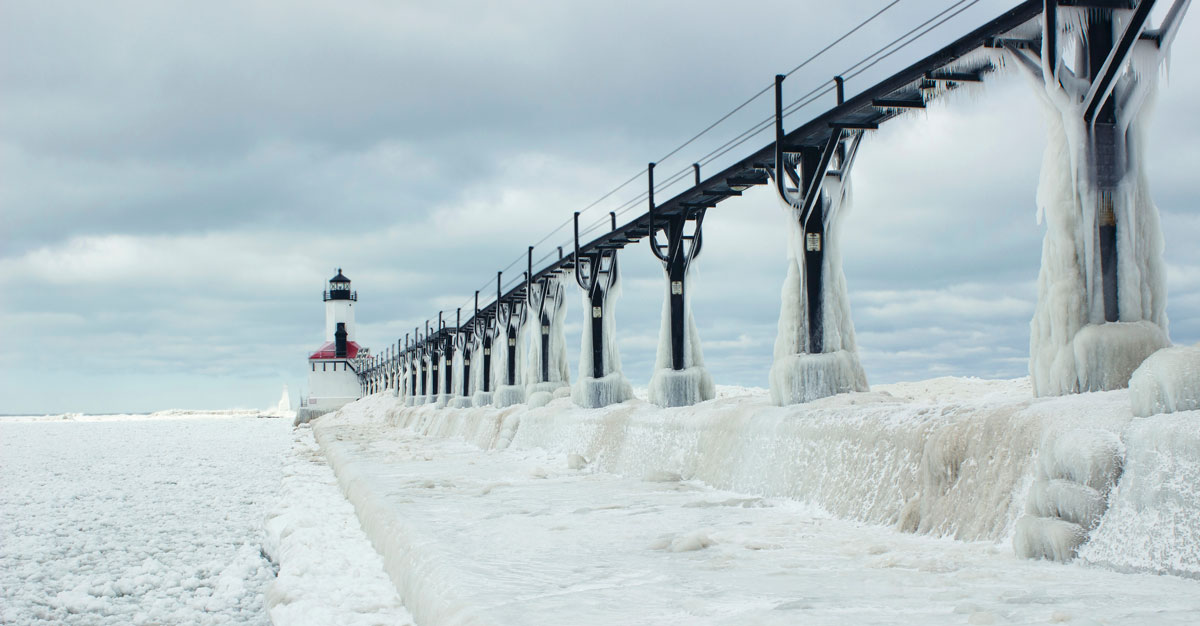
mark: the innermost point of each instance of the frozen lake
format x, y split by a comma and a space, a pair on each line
139, 520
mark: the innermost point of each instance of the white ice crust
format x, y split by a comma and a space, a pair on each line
1168, 381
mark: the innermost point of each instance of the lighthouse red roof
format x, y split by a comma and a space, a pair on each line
329, 351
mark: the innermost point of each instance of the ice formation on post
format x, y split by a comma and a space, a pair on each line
546, 370
445, 362
462, 342
690, 384
815, 352
1101, 288
679, 377
601, 381
611, 387
510, 322
481, 373
484, 330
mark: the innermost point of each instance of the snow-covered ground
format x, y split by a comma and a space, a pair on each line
137, 519
328, 571
563, 515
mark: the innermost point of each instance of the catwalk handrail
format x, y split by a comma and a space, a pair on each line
866, 110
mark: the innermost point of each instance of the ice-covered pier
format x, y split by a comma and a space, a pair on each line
1099, 326
1101, 289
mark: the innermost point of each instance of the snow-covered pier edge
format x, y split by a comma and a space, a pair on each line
950, 457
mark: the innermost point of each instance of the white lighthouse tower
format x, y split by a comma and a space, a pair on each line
332, 379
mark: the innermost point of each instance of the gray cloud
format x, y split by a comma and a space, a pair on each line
180, 180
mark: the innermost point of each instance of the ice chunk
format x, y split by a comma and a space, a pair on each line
1066, 500
1047, 538
805, 377
539, 399
593, 393
1090, 457
482, 398
1166, 382
684, 387
508, 395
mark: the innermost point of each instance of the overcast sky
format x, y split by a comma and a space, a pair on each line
179, 180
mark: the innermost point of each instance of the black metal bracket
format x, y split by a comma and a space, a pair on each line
596, 272
1104, 79
542, 299
510, 316
485, 332
808, 200
681, 247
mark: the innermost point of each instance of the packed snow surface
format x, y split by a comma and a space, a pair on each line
137, 519
736, 511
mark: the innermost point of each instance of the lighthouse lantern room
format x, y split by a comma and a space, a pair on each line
332, 379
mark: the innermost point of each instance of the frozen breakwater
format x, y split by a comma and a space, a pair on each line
724, 511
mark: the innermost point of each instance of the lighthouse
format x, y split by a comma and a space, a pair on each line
332, 379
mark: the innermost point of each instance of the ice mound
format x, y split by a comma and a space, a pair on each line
1089, 457
508, 395
1076, 470
1066, 500
687, 542
684, 387
1166, 382
461, 402
541, 394
539, 399
482, 398
594, 393
1047, 538
806, 377
1106, 355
